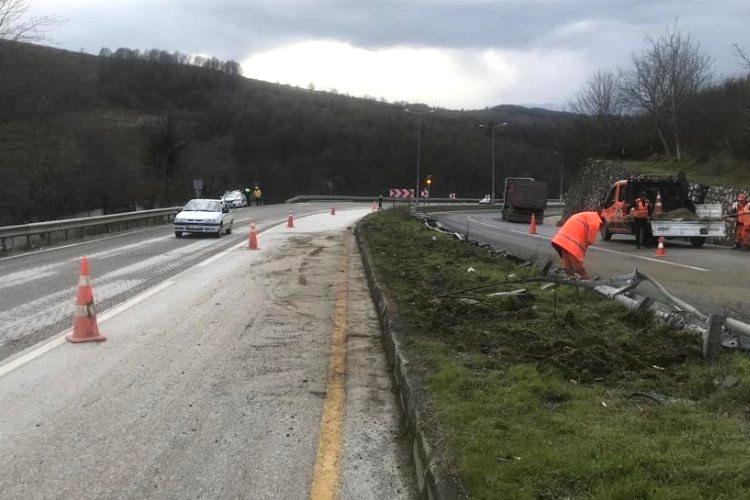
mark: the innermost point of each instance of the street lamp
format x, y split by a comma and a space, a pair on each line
490, 127
419, 138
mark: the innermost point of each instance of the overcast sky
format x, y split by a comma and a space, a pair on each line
455, 54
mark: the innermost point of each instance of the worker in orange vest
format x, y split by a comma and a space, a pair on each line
640, 211
739, 208
573, 238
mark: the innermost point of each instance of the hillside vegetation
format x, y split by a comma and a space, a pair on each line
80, 132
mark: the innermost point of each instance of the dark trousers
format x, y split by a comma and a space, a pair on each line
640, 227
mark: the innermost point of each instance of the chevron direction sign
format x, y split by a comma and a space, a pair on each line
401, 193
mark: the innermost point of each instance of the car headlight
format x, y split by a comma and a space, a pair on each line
177, 220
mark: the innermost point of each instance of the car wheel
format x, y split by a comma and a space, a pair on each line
697, 241
606, 235
178, 234
229, 229
221, 230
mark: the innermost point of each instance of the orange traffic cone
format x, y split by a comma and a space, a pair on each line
290, 220
252, 238
85, 328
532, 224
658, 208
660, 252
333, 210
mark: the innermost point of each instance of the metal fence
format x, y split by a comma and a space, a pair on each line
66, 227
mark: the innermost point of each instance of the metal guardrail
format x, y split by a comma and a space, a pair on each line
45, 229
428, 201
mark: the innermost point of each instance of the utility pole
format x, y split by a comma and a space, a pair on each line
490, 127
419, 147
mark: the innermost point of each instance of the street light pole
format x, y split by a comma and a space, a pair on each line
419, 147
491, 131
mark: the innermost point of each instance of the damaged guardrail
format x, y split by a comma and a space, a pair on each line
717, 330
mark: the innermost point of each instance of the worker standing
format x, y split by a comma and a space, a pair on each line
573, 238
739, 207
640, 211
257, 195
248, 196
380, 201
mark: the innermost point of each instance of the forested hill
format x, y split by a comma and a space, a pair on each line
79, 132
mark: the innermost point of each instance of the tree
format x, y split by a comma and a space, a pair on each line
664, 78
16, 26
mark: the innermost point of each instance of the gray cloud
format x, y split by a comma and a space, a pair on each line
603, 32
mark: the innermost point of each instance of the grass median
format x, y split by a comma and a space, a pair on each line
558, 393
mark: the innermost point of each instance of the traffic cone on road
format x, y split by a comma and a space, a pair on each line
333, 210
290, 220
660, 252
532, 224
252, 238
85, 328
658, 207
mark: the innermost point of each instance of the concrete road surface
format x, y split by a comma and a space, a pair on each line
227, 373
712, 278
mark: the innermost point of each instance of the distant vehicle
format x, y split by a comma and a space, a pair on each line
681, 217
234, 199
487, 199
522, 197
204, 216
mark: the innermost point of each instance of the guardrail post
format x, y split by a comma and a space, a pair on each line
5, 248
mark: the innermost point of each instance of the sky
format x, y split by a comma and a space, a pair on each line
460, 54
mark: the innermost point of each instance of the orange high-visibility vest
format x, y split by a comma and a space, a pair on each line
640, 209
578, 233
743, 214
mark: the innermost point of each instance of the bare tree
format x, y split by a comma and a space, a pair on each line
664, 78
742, 55
15, 25
600, 96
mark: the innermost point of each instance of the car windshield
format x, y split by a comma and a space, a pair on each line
203, 206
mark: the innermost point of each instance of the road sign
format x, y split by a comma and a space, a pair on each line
401, 193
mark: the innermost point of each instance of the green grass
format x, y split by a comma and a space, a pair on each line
722, 171
535, 397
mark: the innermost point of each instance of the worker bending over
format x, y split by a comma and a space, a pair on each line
573, 238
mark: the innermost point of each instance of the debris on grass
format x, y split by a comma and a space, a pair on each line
600, 401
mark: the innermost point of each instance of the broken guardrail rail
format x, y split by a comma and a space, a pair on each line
717, 330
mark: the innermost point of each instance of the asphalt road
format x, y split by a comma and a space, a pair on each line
37, 288
238, 374
712, 278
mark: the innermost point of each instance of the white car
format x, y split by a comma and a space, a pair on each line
204, 216
234, 199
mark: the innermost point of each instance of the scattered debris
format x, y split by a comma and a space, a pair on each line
726, 382
468, 301
471, 270
522, 292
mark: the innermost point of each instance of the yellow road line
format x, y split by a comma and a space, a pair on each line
325, 482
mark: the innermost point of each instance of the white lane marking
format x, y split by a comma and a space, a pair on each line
52, 249
59, 339
594, 247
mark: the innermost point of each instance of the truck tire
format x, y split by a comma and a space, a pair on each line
606, 235
697, 241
